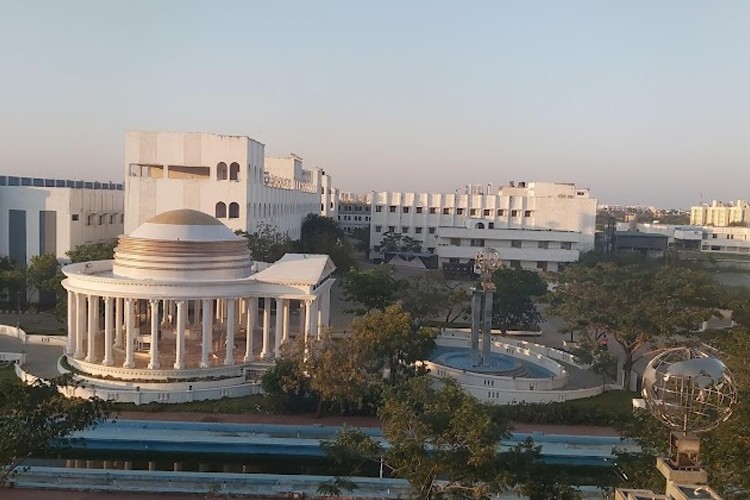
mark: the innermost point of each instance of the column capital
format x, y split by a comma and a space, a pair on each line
154, 302
108, 299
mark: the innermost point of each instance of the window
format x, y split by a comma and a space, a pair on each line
378, 208
480, 225
431, 249
378, 229
501, 213
419, 210
122, 218
404, 229
431, 230
74, 217
544, 244
101, 220
418, 230
391, 229
392, 208
112, 218
405, 209
221, 171
527, 213
221, 210
514, 213
477, 242
541, 265
459, 211
433, 210
89, 218
234, 171
473, 211
454, 260
566, 245
490, 225
446, 211
455, 242
714, 236
515, 243
486, 212
515, 264
234, 210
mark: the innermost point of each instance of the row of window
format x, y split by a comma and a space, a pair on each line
354, 208
231, 173
221, 210
354, 217
405, 229
474, 212
541, 265
100, 219
479, 242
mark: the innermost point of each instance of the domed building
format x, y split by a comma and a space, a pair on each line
183, 313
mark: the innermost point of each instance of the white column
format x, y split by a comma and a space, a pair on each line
278, 327
153, 363
285, 320
80, 324
91, 329
231, 306
242, 313
197, 312
70, 345
314, 318
118, 322
327, 310
319, 317
266, 351
302, 315
179, 360
129, 327
308, 326
108, 341
207, 307
252, 316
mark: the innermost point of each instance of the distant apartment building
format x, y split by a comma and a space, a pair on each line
720, 214
533, 225
225, 176
39, 216
354, 212
708, 239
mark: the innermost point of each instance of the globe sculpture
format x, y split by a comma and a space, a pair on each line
487, 261
689, 390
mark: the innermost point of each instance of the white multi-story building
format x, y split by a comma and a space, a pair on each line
720, 214
39, 216
534, 225
227, 177
354, 212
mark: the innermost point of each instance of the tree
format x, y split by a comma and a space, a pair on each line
397, 242
391, 343
633, 304
13, 282
513, 302
445, 443
361, 237
267, 244
92, 251
323, 235
426, 295
43, 274
374, 288
34, 417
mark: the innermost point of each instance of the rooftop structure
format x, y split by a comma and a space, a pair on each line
225, 176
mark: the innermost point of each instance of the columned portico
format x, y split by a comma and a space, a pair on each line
181, 304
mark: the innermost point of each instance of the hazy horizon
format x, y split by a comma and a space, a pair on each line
642, 102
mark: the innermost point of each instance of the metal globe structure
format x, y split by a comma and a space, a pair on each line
689, 390
487, 261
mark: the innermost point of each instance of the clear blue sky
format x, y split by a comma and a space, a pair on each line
642, 101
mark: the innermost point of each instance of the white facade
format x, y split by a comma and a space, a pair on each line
182, 305
39, 216
534, 225
715, 240
354, 212
224, 176
720, 214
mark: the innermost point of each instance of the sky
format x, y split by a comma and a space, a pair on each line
644, 102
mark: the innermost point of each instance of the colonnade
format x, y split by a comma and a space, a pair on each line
122, 321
